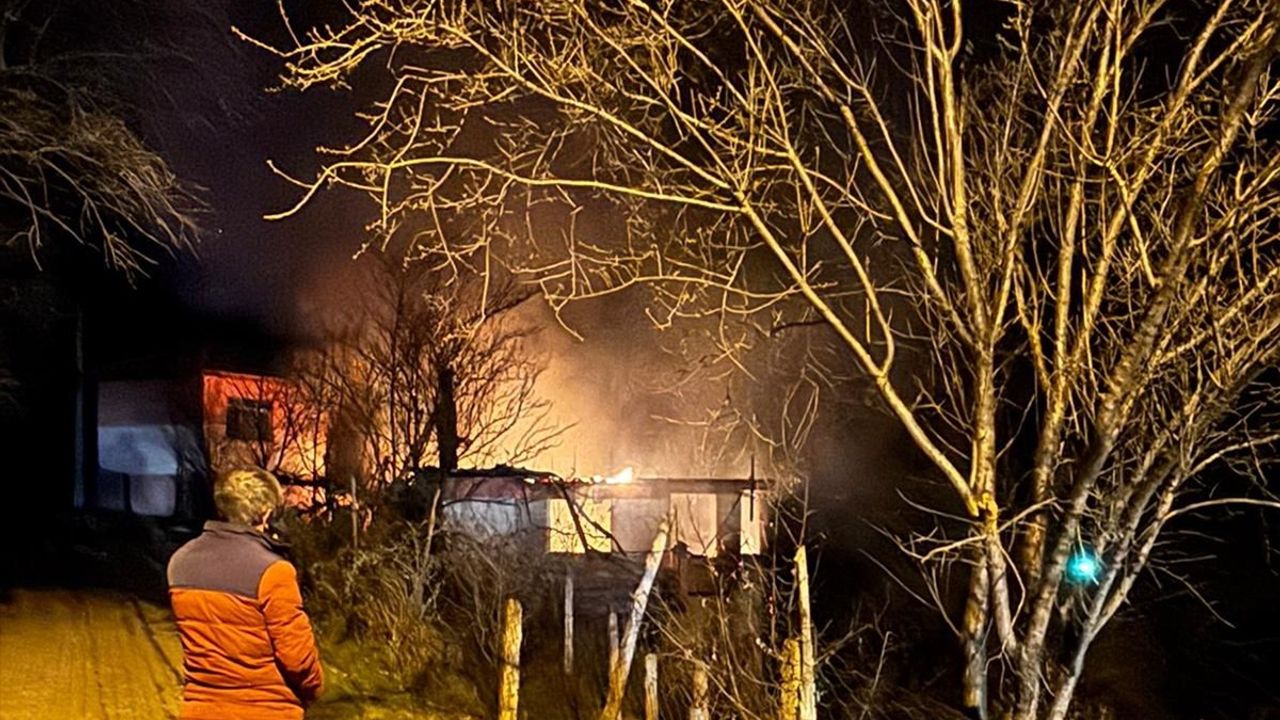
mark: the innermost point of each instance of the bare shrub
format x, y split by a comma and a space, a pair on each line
729, 634
427, 601
380, 594
476, 575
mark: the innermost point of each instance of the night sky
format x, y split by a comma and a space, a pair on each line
250, 267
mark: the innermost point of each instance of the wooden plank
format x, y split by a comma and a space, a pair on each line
512, 631
808, 688
613, 643
620, 667
568, 622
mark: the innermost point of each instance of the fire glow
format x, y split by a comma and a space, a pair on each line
622, 477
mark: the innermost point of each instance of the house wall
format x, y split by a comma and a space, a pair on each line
154, 438
705, 522
296, 442
696, 522
148, 453
636, 520
709, 516
751, 513
486, 518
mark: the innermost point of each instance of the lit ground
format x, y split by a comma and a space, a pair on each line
96, 656
67, 655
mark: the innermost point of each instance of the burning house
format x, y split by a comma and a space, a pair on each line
159, 441
603, 525
615, 514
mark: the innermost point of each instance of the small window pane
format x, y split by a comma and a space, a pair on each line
248, 419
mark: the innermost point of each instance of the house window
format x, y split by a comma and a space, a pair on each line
587, 517
696, 522
248, 419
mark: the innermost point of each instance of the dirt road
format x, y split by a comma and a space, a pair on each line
98, 656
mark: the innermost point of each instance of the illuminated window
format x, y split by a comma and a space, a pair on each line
696, 523
595, 517
248, 419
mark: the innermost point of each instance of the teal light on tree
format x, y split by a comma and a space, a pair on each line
1083, 566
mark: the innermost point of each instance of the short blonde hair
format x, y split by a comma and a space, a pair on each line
245, 495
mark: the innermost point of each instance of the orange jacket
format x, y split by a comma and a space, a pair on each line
247, 647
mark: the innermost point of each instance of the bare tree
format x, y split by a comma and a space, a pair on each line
1089, 205
417, 380
71, 168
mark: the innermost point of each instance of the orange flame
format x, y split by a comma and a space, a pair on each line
622, 477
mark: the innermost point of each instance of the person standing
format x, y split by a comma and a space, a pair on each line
247, 645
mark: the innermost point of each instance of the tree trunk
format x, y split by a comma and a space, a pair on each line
424, 561
613, 645
447, 420
975, 638
355, 514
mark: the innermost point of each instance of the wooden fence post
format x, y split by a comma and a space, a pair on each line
651, 686
613, 643
509, 692
789, 703
698, 710
568, 622
808, 691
